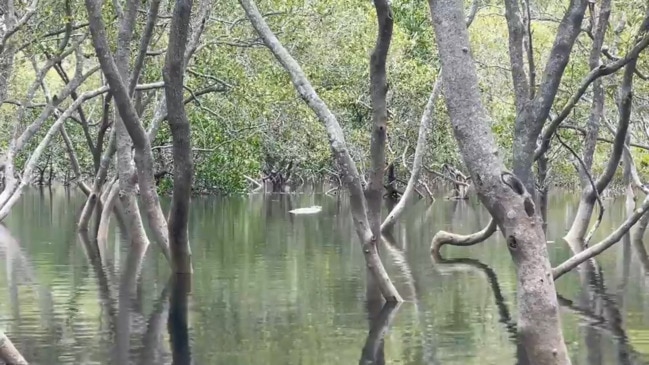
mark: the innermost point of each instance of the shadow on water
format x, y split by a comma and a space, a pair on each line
600, 315
505, 318
178, 323
380, 319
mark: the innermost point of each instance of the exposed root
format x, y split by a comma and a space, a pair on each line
447, 238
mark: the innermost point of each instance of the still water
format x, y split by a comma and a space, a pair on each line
275, 289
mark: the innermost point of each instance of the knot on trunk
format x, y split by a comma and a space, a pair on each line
517, 186
513, 182
529, 206
511, 243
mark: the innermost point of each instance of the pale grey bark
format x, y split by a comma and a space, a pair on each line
8, 352
10, 200
504, 196
626, 96
600, 247
442, 238
420, 150
346, 166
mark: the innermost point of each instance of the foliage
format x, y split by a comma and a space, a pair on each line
257, 119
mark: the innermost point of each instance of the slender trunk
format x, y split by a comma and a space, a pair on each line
378, 91
181, 138
544, 189
504, 196
531, 119
575, 236
380, 319
577, 232
347, 167
424, 127
143, 156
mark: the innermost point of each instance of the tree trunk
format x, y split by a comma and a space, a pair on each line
8, 352
531, 119
347, 167
181, 138
143, 156
504, 196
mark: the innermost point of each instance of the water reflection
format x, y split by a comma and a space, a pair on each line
373, 350
178, 322
274, 289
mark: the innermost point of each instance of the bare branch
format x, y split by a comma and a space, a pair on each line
442, 238
600, 247
600, 71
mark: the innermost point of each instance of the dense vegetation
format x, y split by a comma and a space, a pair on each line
254, 121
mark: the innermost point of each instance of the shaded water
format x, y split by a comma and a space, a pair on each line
272, 288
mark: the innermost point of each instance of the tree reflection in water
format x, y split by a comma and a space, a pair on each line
177, 322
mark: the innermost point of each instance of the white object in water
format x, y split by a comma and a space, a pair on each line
309, 210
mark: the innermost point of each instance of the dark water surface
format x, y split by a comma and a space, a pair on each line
274, 289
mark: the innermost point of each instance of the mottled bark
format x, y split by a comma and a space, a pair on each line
173, 74
504, 196
516, 30
8, 352
347, 167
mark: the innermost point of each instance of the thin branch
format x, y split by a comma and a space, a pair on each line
600, 247
603, 70
592, 184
